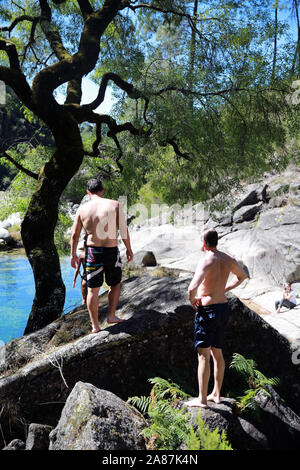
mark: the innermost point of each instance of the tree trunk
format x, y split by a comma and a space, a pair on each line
40, 220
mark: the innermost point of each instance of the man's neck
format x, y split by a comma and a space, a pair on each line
211, 250
95, 195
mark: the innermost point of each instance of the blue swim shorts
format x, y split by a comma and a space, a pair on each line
210, 325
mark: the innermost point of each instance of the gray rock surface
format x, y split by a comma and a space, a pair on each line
38, 437
241, 434
156, 338
143, 258
246, 213
16, 444
94, 419
5, 235
274, 426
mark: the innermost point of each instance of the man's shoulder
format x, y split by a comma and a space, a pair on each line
228, 259
83, 207
112, 202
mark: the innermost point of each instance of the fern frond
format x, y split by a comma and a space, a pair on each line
244, 366
162, 388
141, 403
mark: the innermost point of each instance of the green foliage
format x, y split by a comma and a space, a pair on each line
64, 223
254, 379
202, 438
169, 427
18, 195
141, 403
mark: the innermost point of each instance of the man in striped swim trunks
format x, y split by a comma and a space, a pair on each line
101, 218
207, 294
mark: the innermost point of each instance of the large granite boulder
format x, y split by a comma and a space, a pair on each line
273, 425
156, 339
94, 419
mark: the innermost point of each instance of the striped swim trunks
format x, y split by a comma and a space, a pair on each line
103, 261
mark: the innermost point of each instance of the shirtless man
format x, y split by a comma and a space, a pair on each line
207, 294
101, 218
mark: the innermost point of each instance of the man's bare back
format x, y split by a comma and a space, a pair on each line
210, 282
218, 265
100, 218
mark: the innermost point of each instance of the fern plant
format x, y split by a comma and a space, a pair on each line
169, 427
203, 438
141, 403
255, 379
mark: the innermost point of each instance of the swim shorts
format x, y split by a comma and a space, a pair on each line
210, 325
103, 260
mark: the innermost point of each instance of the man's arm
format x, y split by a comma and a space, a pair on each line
124, 232
199, 276
76, 229
239, 276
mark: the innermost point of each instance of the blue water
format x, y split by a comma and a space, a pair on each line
17, 293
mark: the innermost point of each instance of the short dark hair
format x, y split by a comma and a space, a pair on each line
211, 238
94, 185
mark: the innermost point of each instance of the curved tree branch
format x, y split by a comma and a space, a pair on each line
11, 52
4, 154
52, 35
131, 91
19, 19
17, 81
85, 8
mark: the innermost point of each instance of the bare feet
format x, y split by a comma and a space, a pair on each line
213, 397
95, 330
196, 402
114, 319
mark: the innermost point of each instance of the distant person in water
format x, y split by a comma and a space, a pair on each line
207, 295
288, 299
81, 262
101, 218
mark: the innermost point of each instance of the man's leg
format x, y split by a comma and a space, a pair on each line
83, 291
219, 368
203, 378
93, 307
113, 299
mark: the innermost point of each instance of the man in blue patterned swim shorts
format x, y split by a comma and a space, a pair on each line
101, 218
207, 294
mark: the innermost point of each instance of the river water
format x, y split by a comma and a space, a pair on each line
17, 293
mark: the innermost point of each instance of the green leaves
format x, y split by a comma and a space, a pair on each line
169, 427
254, 379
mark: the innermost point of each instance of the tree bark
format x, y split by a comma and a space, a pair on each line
38, 226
